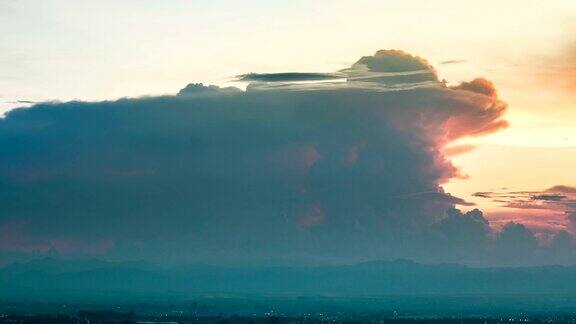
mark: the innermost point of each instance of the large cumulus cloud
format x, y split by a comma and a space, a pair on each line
331, 171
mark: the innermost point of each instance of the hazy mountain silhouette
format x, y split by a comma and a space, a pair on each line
55, 279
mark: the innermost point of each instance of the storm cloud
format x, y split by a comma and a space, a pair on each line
284, 171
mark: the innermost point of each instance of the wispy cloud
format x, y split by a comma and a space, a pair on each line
452, 62
560, 200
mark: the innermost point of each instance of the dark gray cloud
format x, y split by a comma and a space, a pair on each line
561, 249
22, 102
283, 172
452, 62
517, 243
289, 77
198, 89
438, 196
465, 236
549, 197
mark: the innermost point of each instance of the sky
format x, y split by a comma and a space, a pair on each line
62, 50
